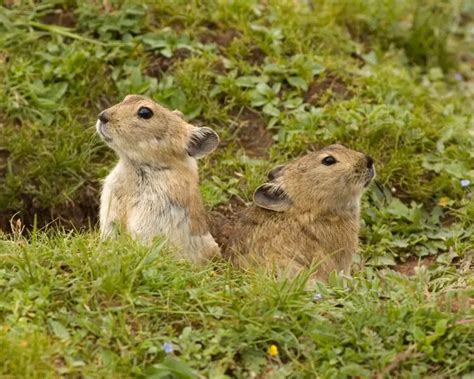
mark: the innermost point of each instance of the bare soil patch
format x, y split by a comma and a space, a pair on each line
159, 64
324, 89
256, 56
409, 267
222, 38
77, 215
252, 133
61, 17
223, 219
219, 66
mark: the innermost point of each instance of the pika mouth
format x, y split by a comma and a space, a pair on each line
102, 130
370, 174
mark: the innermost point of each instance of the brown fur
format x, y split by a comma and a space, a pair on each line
307, 214
154, 189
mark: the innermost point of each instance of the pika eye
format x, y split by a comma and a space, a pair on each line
329, 160
145, 112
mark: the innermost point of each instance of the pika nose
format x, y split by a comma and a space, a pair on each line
104, 117
370, 161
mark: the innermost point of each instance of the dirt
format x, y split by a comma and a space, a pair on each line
322, 90
61, 17
78, 215
222, 38
252, 133
159, 64
223, 218
465, 18
219, 66
458, 304
449, 218
409, 267
256, 56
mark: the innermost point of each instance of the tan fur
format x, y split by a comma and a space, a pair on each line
154, 188
316, 222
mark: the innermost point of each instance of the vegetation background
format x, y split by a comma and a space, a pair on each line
392, 78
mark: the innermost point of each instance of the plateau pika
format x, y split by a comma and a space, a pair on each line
308, 213
154, 188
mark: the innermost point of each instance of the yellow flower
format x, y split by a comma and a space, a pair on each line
443, 201
273, 350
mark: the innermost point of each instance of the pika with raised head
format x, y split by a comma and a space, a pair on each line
154, 188
308, 213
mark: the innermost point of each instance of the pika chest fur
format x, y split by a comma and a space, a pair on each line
154, 188
308, 213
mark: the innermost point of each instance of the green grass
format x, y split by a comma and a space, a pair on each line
75, 306
391, 78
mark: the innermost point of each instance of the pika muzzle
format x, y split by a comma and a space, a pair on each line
371, 169
101, 126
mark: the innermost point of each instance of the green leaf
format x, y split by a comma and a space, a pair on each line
245, 81
274, 68
317, 69
271, 110
57, 91
171, 366
216, 312
155, 42
264, 89
397, 208
441, 327
293, 103
370, 58
355, 370
418, 334
166, 52
59, 330
297, 82
384, 260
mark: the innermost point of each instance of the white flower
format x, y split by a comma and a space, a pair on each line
317, 296
465, 183
168, 347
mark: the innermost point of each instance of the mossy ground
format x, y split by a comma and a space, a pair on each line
276, 79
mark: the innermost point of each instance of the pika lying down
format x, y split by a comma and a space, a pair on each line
308, 213
154, 188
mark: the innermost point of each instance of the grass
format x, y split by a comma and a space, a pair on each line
391, 78
73, 306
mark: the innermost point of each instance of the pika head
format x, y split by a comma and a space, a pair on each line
330, 179
145, 132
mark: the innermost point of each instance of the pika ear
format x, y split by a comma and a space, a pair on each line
178, 113
272, 197
130, 98
276, 172
202, 142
